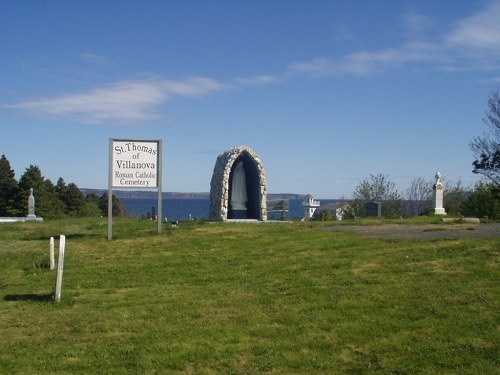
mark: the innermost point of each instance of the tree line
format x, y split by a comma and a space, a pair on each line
483, 200
480, 201
51, 201
55, 201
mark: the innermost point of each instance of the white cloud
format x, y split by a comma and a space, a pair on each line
96, 59
474, 43
368, 62
126, 101
416, 23
259, 80
196, 86
480, 32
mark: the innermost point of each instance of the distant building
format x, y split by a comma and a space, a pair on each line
309, 206
336, 210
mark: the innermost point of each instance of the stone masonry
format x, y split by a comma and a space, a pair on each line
219, 186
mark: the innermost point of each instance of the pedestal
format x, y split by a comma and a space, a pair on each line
239, 214
439, 211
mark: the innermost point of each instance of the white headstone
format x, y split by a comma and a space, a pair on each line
60, 267
51, 253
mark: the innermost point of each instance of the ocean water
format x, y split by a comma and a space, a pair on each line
173, 209
186, 209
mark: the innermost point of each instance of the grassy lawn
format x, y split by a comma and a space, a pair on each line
245, 299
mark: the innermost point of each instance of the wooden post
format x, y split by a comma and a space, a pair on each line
51, 253
60, 267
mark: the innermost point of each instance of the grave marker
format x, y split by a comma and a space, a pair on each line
51, 253
60, 267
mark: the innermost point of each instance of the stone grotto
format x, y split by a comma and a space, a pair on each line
238, 186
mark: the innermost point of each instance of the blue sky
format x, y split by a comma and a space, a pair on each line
325, 92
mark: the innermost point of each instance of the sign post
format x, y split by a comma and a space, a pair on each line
134, 164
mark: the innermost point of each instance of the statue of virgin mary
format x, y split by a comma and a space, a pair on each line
239, 188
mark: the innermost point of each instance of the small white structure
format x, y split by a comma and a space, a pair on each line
309, 206
336, 210
438, 195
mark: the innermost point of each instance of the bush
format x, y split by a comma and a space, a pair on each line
483, 201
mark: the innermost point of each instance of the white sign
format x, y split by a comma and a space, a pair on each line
135, 164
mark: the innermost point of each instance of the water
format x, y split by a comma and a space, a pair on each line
185, 209
173, 209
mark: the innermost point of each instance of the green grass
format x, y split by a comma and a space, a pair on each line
245, 299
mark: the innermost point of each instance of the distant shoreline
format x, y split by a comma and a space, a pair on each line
141, 194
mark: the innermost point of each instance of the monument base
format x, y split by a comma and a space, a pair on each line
19, 219
439, 211
239, 214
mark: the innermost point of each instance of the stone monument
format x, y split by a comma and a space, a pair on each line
31, 206
238, 188
438, 195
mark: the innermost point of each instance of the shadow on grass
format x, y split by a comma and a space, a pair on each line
29, 297
56, 236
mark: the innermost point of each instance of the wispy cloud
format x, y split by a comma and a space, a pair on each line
480, 32
259, 80
473, 43
93, 58
415, 23
369, 62
126, 101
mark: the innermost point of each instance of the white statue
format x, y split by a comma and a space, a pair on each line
239, 188
438, 196
438, 177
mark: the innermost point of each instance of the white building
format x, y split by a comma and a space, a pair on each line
336, 210
309, 206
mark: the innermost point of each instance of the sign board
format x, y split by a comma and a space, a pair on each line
134, 164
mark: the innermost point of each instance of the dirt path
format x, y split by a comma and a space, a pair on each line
422, 231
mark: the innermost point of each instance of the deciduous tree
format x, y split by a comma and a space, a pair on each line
418, 196
486, 149
379, 189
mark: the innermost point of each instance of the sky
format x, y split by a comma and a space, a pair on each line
325, 92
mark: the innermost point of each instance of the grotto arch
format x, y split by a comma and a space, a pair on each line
238, 186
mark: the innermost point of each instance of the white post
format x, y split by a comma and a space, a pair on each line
51, 254
60, 267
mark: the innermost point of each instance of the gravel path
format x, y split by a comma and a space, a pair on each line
422, 231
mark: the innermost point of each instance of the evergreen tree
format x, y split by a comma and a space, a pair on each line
90, 207
73, 199
118, 209
47, 202
8, 188
71, 196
